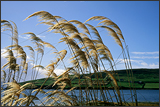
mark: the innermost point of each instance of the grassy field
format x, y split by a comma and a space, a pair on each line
143, 78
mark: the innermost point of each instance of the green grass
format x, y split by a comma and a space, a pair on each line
151, 85
149, 76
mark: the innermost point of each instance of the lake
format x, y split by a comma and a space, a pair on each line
142, 95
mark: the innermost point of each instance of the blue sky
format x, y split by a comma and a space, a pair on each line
138, 21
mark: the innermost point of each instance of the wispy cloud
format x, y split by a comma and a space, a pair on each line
28, 36
25, 36
137, 64
146, 57
156, 52
40, 36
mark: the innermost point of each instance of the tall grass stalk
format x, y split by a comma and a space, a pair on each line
88, 54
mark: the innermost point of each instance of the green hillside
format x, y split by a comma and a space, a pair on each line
143, 79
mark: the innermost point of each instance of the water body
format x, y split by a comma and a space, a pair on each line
142, 95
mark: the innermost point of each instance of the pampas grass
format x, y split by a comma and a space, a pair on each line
86, 51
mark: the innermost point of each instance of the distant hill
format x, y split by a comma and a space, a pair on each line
143, 79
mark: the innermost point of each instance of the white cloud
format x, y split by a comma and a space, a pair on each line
146, 57
145, 65
40, 36
25, 36
5, 54
156, 52
28, 36
154, 65
59, 71
136, 64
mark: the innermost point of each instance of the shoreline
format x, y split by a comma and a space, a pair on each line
105, 88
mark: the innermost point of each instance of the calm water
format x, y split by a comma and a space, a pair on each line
142, 95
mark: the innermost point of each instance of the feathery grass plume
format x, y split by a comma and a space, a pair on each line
11, 59
52, 65
15, 32
14, 90
87, 55
4, 21
57, 61
93, 53
43, 15
41, 91
62, 85
33, 37
82, 58
112, 24
4, 76
65, 26
80, 25
60, 19
6, 24
66, 79
55, 26
113, 34
23, 56
51, 73
16, 47
40, 66
48, 45
95, 31
62, 54
76, 36
88, 42
11, 62
46, 23
96, 18
38, 45
74, 62
104, 54
26, 66
50, 68
19, 50
71, 42
68, 69
29, 47
40, 50
104, 48
6, 99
